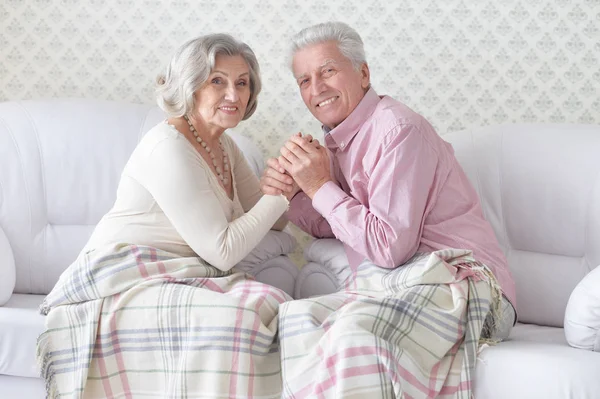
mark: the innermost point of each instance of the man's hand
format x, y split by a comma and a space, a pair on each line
307, 162
275, 181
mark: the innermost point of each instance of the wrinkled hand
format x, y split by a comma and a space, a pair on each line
307, 162
275, 181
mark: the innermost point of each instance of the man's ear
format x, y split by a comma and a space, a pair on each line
365, 76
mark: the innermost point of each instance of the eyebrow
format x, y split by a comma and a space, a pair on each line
226, 74
326, 62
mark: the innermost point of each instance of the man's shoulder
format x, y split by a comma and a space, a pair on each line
392, 116
391, 112
393, 121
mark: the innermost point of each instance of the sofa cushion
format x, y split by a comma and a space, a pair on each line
251, 152
539, 186
64, 159
20, 325
582, 317
20, 387
536, 363
7, 269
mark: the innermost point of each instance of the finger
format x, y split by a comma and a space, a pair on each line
303, 144
272, 186
271, 191
274, 174
309, 138
285, 163
277, 184
292, 152
324, 152
274, 164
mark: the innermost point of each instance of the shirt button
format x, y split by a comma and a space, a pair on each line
342, 144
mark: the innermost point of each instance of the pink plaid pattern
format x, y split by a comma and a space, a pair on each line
133, 321
411, 332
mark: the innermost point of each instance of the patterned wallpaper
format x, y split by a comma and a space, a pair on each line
461, 63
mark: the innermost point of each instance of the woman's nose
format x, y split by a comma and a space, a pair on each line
231, 93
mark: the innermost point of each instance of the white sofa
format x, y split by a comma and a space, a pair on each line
540, 187
60, 163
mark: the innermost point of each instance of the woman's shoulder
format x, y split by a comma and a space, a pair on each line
163, 137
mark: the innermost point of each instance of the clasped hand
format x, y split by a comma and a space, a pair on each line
302, 165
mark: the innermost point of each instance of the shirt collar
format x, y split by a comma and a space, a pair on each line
342, 134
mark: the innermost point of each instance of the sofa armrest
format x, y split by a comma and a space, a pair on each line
582, 316
7, 269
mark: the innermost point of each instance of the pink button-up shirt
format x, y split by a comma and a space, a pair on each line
399, 190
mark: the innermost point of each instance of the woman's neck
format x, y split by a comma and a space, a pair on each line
208, 135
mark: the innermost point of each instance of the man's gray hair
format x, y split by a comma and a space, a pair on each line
191, 66
348, 40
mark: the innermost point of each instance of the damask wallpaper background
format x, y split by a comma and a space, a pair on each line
461, 63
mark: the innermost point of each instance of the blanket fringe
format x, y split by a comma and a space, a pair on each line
494, 318
46, 372
44, 308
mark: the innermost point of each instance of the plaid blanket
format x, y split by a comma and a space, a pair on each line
410, 332
131, 321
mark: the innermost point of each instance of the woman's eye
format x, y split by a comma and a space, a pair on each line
242, 83
217, 81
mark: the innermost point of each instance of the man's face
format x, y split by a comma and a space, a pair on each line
330, 86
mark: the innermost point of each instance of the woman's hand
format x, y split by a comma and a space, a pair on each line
275, 181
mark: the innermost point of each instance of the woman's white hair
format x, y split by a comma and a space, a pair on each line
348, 40
191, 66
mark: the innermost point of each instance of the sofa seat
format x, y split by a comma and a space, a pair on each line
537, 362
20, 325
534, 362
21, 388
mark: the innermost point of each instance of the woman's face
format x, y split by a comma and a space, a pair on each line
221, 102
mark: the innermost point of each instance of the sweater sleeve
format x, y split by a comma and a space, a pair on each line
177, 179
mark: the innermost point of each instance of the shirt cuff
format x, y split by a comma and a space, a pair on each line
327, 198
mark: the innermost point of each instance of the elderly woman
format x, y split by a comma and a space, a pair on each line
187, 188
153, 306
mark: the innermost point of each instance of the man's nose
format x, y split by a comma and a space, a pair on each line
318, 86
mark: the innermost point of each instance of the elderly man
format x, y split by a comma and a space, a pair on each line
384, 183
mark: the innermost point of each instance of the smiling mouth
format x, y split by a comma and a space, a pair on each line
228, 109
327, 102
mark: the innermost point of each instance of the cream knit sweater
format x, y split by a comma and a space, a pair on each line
169, 198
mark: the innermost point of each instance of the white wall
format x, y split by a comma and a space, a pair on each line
459, 63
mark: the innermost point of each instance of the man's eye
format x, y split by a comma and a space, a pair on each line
303, 82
